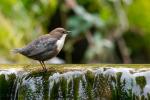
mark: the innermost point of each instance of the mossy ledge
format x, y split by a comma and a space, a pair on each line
72, 66
75, 81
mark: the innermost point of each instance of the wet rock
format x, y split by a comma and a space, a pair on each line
75, 83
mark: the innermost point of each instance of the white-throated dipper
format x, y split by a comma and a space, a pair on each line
45, 47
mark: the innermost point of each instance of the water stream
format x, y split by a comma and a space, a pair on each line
89, 84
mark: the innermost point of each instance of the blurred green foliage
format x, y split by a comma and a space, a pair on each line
115, 31
22, 21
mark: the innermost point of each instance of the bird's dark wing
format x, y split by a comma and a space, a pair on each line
39, 46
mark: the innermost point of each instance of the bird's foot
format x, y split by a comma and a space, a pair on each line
44, 70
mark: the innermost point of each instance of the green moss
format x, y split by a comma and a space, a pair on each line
89, 81
45, 80
54, 91
94, 86
63, 83
41, 86
6, 86
70, 90
141, 81
119, 90
76, 88
143, 97
148, 95
102, 89
66, 67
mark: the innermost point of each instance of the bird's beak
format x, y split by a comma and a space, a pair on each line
68, 32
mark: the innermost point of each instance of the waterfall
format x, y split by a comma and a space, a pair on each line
89, 84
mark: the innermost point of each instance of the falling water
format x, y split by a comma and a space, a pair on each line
91, 84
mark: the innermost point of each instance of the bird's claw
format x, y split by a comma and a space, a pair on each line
44, 70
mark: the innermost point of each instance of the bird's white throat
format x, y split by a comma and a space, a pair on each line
60, 42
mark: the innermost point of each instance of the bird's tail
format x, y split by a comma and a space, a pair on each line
14, 51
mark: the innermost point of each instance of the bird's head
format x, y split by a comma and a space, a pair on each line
59, 32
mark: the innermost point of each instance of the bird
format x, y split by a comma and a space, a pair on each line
44, 47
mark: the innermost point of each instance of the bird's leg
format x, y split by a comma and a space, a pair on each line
44, 65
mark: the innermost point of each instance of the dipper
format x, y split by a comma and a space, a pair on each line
45, 47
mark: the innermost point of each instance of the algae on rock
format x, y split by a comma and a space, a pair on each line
77, 83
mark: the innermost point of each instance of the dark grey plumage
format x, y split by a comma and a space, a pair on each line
40, 48
45, 47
